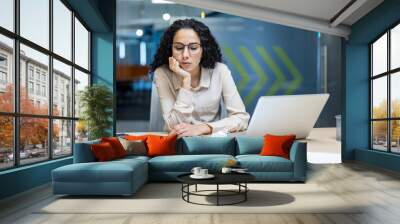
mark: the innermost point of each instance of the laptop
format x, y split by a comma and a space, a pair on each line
288, 114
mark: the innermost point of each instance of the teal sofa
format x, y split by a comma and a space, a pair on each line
125, 176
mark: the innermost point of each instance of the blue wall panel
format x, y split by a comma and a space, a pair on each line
357, 99
102, 58
267, 59
24, 178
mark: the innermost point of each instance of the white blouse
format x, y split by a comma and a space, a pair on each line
202, 103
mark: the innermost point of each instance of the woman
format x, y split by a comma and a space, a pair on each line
191, 81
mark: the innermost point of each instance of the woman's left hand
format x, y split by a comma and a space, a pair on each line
185, 129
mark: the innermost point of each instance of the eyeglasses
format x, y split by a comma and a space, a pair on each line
193, 48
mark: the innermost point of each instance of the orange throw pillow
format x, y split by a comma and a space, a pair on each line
136, 137
275, 145
103, 152
161, 145
116, 145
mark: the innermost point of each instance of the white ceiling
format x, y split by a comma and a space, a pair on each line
315, 15
325, 16
320, 9
134, 14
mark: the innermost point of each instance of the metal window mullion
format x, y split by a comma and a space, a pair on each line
389, 102
114, 81
90, 68
16, 84
371, 124
73, 82
50, 81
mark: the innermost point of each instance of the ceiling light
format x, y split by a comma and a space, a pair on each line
166, 16
121, 50
139, 32
203, 14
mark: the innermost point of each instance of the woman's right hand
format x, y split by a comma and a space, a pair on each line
174, 66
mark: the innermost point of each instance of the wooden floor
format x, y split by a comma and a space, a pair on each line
377, 188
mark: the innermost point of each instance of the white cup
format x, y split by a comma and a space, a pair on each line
203, 172
226, 170
196, 170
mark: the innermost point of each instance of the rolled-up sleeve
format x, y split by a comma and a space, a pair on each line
177, 110
238, 118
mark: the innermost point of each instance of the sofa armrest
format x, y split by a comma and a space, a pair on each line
83, 152
298, 155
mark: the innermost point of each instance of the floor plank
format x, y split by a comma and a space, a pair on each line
376, 189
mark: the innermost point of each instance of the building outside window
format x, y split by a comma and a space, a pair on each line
3, 72
3, 61
43, 78
37, 75
3, 77
30, 87
43, 90
385, 91
38, 89
30, 72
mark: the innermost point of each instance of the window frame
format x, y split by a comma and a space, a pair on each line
16, 114
388, 74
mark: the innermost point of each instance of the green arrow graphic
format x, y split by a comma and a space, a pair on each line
262, 77
242, 72
279, 76
297, 76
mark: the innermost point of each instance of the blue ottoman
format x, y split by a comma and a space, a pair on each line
118, 177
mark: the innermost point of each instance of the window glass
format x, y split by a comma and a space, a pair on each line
395, 138
7, 14
379, 56
62, 29
395, 47
395, 95
81, 45
34, 81
39, 63
62, 138
81, 81
6, 74
81, 131
35, 21
6, 142
62, 91
379, 135
33, 139
379, 97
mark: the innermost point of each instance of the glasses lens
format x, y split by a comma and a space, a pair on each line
193, 48
179, 47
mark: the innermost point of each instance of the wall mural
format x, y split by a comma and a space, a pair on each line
288, 82
267, 59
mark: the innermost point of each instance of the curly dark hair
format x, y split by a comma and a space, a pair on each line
211, 51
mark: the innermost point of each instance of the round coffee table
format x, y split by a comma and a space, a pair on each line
238, 179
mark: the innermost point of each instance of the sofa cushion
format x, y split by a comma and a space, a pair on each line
136, 137
133, 158
103, 152
83, 152
161, 145
248, 145
277, 145
185, 163
116, 145
134, 147
207, 145
257, 163
112, 171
